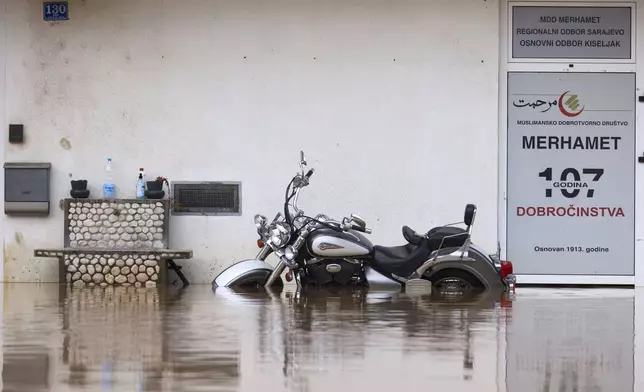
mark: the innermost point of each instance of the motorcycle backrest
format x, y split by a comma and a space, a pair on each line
470, 213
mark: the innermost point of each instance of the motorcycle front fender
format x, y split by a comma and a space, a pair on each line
246, 272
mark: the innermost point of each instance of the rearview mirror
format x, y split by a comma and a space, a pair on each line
359, 221
302, 159
470, 213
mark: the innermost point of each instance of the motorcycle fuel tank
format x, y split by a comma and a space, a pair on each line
330, 243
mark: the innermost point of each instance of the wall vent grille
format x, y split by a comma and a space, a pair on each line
206, 198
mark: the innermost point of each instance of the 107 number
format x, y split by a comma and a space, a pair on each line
570, 182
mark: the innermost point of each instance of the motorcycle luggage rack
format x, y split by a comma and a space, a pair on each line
463, 249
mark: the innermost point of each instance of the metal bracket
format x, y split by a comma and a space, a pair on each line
177, 270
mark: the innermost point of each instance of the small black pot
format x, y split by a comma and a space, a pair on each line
79, 193
79, 185
154, 185
154, 194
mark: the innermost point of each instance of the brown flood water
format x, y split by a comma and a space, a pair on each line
59, 339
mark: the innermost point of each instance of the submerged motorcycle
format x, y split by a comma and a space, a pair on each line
320, 251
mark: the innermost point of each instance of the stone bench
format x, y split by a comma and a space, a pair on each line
116, 242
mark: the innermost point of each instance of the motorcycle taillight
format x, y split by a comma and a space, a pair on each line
506, 268
260, 243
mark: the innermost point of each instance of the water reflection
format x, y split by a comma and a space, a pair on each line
26, 371
324, 338
112, 329
581, 342
127, 339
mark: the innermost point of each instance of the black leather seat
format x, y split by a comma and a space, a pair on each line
400, 260
449, 236
456, 236
411, 236
404, 260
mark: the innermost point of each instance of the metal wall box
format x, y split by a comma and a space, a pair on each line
16, 133
26, 188
206, 198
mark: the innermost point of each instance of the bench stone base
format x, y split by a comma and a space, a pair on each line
103, 267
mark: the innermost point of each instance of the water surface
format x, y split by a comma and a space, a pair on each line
126, 339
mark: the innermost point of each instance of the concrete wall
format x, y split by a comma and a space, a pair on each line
394, 103
3, 122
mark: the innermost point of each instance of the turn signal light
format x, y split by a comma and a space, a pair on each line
260, 243
506, 268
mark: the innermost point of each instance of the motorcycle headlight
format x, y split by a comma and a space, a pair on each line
260, 221
280, 234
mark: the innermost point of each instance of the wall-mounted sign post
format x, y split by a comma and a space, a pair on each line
55, 11
579, 32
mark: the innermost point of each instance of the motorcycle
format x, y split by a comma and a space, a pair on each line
320, 251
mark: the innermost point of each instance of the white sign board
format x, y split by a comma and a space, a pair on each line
542, 32
571, 173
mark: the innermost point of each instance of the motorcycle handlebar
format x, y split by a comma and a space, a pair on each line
310, 173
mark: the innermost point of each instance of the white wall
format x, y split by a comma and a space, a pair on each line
639, 173
2, 112
394, 103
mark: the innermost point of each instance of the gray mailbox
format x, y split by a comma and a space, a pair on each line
26, 188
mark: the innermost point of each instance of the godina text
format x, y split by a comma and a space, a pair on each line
571, 143
571, 211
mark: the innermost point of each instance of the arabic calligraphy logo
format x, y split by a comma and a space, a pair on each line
570, 105
536, 104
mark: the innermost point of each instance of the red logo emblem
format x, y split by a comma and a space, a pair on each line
569, 105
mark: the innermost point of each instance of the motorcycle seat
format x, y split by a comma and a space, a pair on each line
400, 260
436, 236
404, 260
411, 236
449, 236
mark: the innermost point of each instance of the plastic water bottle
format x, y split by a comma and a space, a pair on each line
109, 191
140, 186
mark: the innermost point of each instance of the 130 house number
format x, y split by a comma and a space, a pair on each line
570, 182
56, 9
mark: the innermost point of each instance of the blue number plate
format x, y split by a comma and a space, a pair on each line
55, 10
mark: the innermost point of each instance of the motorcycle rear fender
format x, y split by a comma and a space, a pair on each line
244, 272
479, 265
